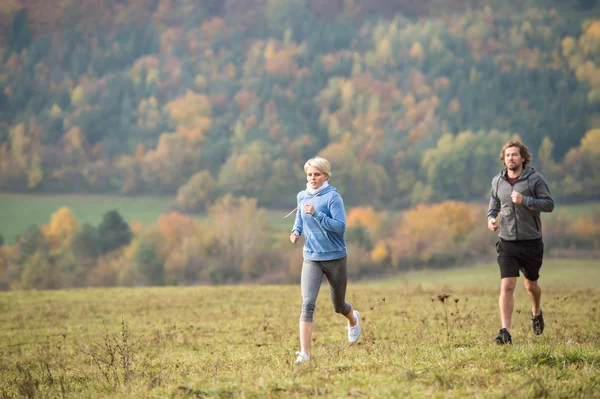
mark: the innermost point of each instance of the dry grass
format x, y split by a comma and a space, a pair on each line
240, 341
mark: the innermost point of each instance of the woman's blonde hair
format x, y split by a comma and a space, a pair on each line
321, 164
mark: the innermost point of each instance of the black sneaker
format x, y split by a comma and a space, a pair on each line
538, 323
503, 337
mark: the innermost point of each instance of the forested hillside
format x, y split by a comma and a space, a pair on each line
199, 99
220, 103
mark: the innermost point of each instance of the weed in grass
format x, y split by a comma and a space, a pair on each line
27, 385
455, 318
113, 356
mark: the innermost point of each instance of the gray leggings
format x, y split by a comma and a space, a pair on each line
312, 274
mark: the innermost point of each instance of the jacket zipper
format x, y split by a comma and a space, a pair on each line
516, 224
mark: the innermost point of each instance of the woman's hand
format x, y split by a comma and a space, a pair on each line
309, 209
294, 237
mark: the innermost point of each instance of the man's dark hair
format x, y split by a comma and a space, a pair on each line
523, 150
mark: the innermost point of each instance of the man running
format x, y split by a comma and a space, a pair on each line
518, 195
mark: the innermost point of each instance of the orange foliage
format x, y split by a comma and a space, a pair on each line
245, 99
251, 121
441, 83
139, 151
454, 106
593, 30
175, 227
279, 61
429, 229
584, 228
363, 215
192, 113
213, 27
136, 227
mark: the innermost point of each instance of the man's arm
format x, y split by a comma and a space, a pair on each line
494, 206
543, 201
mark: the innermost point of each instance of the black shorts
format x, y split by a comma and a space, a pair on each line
524, 255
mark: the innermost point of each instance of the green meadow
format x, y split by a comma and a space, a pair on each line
19, 211
239, 341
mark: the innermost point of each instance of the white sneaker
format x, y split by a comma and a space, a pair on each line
302, 357
354, 332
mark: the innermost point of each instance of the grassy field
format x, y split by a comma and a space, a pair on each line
239, 341
19, 211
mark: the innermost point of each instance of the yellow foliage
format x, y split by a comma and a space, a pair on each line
436, 44
186, 108
380, 252
78, 96
416, 51
192, 113
61, 230
363, 215
152, 76
593, 30
35, 174
347, 92
74, 138
384, 49
55, 111
200, 82
594, 96
590, 143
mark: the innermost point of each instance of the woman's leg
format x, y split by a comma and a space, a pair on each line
337, 276
310, 282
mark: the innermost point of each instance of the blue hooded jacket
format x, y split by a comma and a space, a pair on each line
324, 230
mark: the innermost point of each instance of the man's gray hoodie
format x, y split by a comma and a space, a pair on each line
520, 221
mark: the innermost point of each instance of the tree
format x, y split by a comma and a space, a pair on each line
31, 241
19, 36
239, 227
61, 230
150, 270
192, 113
40, 272
582, 168
461, 167
113, 232
198, 193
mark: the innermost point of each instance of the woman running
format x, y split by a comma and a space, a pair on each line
322, 219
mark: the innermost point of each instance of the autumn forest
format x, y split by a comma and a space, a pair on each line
219, 103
